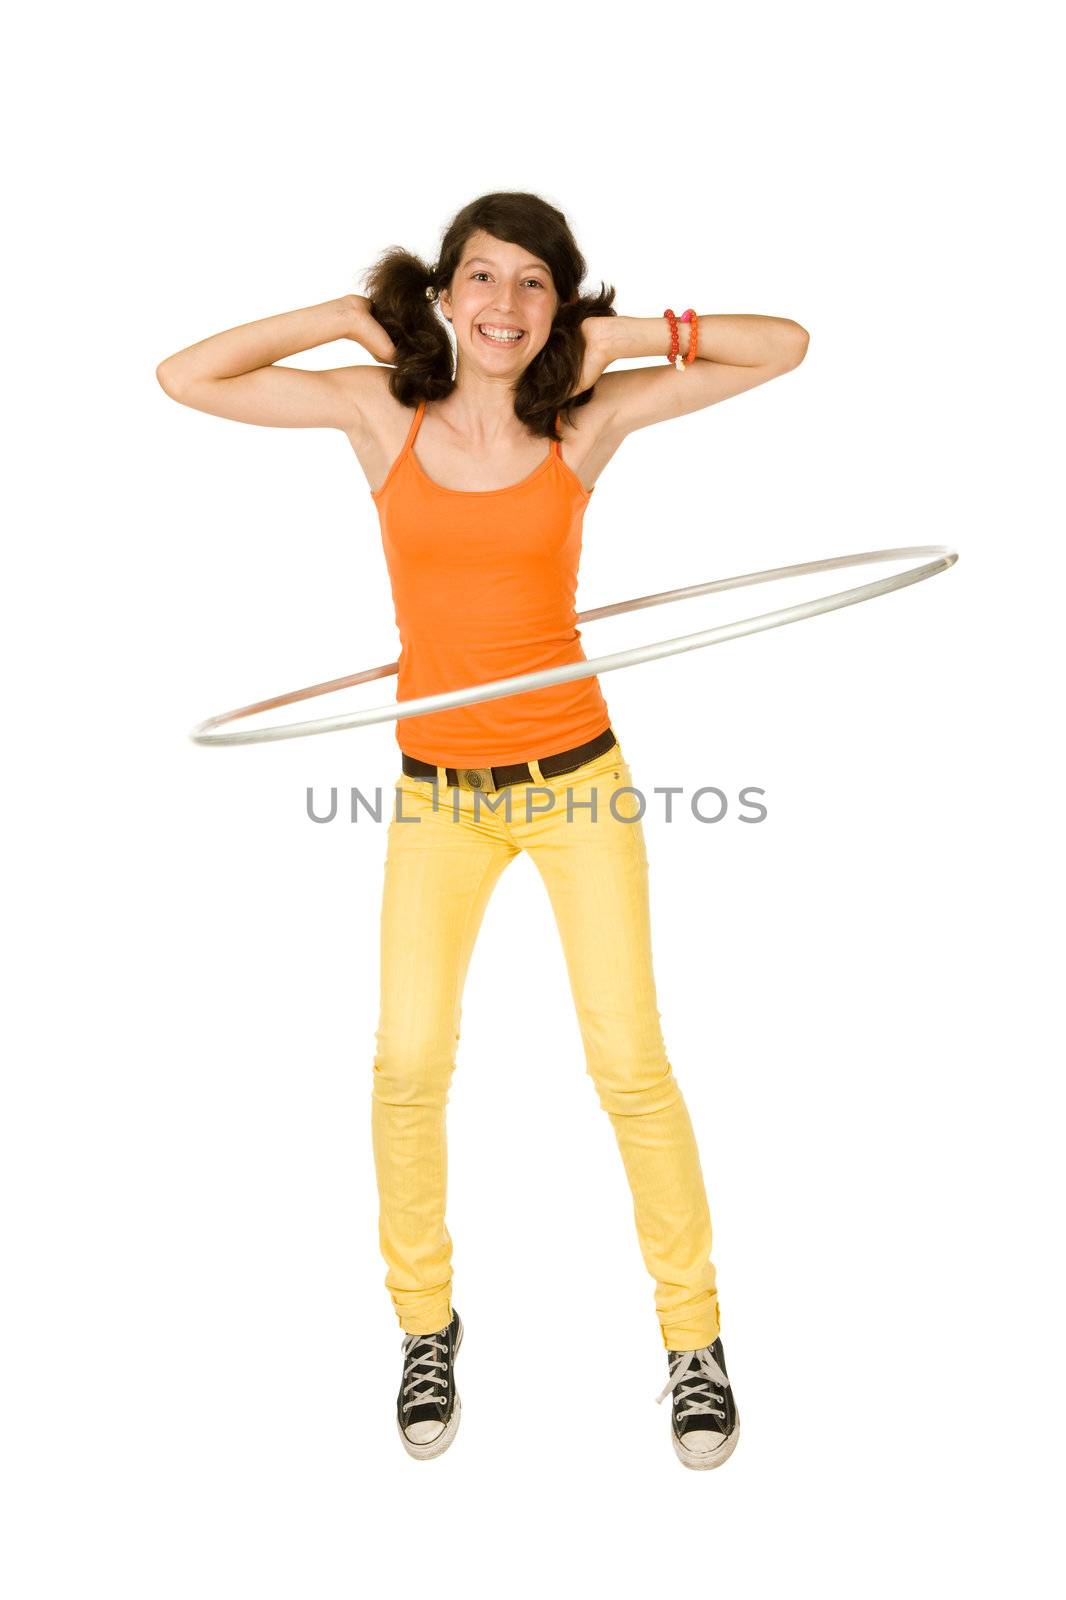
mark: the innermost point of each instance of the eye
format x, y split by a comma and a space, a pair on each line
480, 274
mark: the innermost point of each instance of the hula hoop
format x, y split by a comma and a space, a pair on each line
525, 681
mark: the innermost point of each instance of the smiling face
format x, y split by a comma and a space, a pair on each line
505, 289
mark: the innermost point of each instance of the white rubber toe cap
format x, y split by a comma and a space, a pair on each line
424, 1432
703, 1441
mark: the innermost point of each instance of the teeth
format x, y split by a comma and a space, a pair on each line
501, 338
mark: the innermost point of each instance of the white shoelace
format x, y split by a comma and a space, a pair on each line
429, 1359
700, 1367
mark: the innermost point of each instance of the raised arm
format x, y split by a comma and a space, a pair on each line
232, 375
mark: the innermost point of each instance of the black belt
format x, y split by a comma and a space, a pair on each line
489, 779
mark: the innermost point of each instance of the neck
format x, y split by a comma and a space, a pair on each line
482, 409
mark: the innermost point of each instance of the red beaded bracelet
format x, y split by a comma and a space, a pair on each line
675, 344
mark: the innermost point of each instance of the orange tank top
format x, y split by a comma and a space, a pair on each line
483, 585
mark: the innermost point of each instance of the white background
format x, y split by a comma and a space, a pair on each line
859, 996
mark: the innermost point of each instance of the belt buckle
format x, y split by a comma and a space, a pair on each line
479, 778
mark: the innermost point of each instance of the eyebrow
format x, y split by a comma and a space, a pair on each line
538, 264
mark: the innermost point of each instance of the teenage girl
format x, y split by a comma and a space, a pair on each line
481, 465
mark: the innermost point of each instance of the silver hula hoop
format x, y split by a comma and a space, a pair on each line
946, 557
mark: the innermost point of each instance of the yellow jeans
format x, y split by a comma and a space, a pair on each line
439, 874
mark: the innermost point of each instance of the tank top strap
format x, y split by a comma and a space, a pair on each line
420, 411
555, 442
390, 476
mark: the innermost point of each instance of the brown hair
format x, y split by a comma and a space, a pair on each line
396, 290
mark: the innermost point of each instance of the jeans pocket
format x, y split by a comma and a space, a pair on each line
629, 805
597, 767
595, 785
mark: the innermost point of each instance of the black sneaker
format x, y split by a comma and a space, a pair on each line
427, 1406
704, 1424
